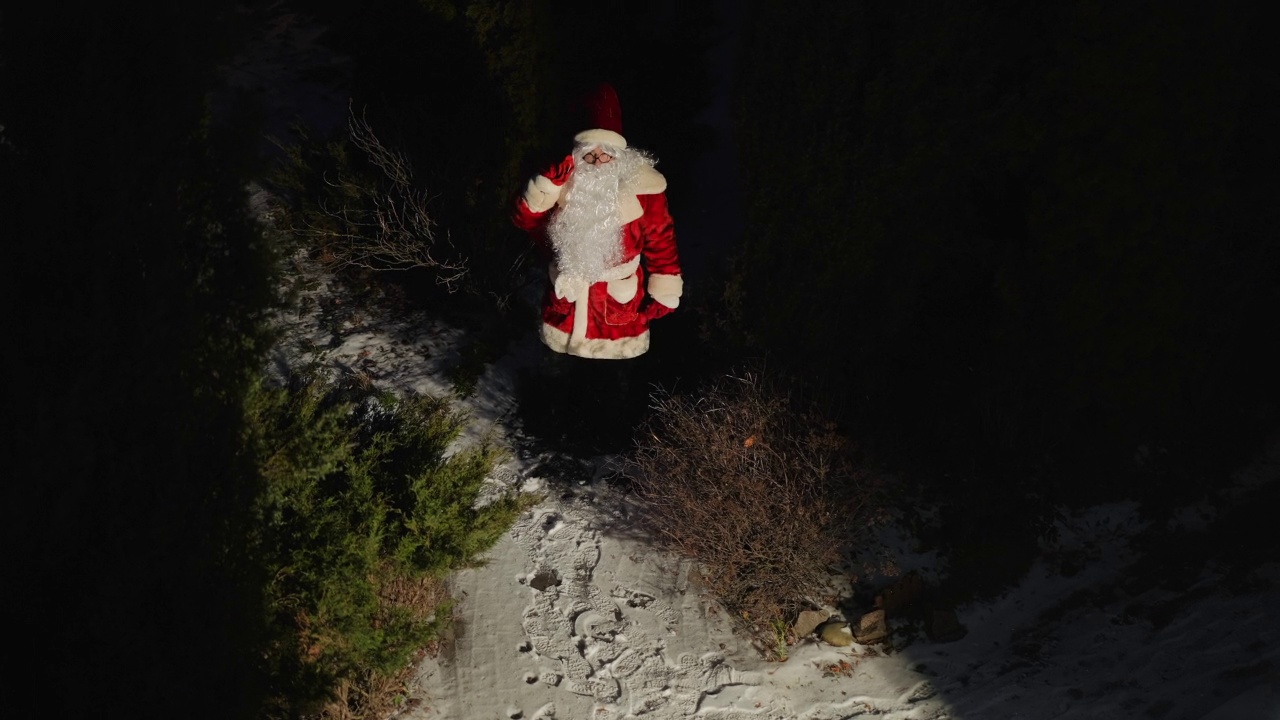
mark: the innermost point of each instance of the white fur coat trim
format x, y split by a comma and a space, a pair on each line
595, 348
646, 182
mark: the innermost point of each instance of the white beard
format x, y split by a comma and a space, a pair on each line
586, 230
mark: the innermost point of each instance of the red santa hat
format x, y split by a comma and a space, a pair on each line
602, 115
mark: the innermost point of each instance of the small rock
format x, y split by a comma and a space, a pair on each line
809, 621
872, 628
836, 633
544, 580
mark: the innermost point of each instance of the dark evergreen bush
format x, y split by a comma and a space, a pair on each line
1017, 239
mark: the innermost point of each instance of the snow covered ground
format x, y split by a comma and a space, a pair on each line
575, 615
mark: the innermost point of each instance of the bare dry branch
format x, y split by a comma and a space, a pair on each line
380, 225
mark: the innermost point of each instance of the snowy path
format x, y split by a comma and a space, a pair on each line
563, 622
571, 620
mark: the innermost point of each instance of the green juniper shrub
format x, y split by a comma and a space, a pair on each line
358, 499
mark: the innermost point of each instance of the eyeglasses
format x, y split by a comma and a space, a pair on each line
598, 158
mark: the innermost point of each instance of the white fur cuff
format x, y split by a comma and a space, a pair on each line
666, 289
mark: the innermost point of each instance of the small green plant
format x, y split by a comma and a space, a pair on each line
781, 632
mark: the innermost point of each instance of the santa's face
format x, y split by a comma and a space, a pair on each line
585, 230
597, 156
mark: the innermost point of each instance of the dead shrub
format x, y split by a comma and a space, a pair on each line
766, 495
357, 207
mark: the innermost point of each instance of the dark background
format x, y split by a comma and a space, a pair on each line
1024, 252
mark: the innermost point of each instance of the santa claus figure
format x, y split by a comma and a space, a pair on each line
601, 218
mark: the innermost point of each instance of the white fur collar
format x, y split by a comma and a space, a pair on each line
646, 182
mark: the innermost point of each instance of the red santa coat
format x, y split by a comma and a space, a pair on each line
611, 319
